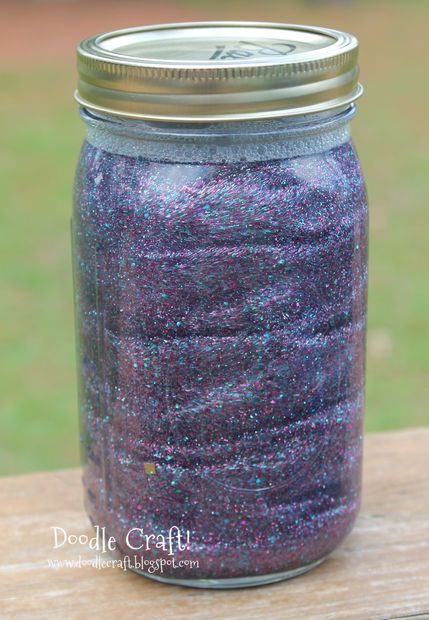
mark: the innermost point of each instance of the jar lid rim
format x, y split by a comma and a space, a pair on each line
217, 71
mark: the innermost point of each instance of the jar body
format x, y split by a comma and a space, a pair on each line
220, 281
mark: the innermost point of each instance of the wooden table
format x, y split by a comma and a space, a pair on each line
381, 571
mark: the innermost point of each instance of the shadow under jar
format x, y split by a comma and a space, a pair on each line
220, 267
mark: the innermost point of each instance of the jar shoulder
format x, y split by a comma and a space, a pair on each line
325, 169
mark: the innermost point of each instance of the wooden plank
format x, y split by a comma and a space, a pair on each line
380, 572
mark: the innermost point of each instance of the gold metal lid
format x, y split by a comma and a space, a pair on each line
217, 71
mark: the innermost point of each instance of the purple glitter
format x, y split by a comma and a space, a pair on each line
221, 313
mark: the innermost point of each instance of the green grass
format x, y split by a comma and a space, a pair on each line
41, 138
41, 144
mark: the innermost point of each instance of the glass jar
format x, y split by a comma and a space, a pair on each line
220, 265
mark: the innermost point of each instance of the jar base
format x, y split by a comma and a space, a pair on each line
233, 582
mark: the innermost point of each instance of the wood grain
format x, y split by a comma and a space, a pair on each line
380, 572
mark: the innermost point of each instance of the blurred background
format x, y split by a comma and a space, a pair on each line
41, 135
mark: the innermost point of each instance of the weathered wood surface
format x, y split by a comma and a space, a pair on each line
381, 571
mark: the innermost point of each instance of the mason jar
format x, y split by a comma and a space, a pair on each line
220, 269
